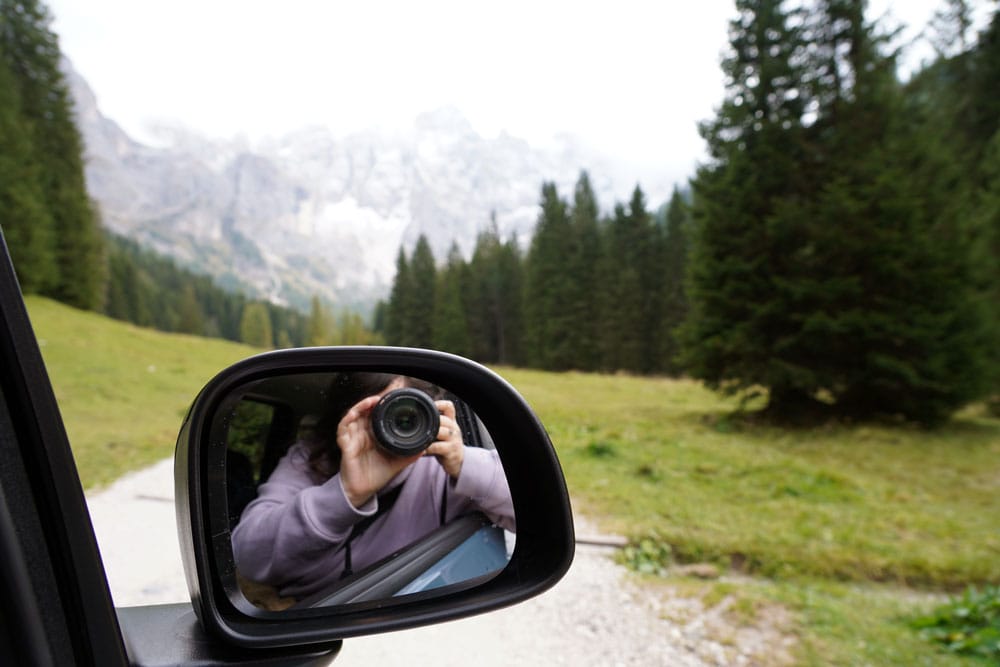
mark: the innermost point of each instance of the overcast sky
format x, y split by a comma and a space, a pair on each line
630, 78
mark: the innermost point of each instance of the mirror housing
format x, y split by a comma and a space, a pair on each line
545, 540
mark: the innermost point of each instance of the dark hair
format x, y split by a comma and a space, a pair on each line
345, 390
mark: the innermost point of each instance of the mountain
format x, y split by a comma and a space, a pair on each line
312, 213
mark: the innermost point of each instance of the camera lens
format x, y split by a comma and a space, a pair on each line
403, 418
405, 421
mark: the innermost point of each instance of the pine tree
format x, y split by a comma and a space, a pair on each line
980, 118
285, 340
320, 325
127, 292
27, 223
351, 330
954, 101
396, 330
987, 224
549, 288
420, 312
191, 319
451, 329
806, 263
493, 298
410, 311
741, 303
31, 54
481, 296
644, 246
379, 316
584, 259
292, 323
629, 299
889, 199
673, 296
255, 326
510, 309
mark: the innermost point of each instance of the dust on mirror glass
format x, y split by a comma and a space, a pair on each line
356, 486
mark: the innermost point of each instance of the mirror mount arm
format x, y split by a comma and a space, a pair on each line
171, 634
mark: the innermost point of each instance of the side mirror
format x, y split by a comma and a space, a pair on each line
273, 554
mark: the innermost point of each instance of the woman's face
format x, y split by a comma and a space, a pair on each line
398, 382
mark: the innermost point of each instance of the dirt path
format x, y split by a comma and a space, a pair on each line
591, 617
137, 534
595, 616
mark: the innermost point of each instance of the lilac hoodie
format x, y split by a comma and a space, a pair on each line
292, 535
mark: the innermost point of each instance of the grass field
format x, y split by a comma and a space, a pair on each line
852, 528
662, 458
849, 530
122, 390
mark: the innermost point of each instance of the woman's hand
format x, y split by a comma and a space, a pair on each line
449, 447
364, 468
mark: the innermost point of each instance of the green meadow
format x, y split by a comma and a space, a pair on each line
845, 532
122, 390
852, 529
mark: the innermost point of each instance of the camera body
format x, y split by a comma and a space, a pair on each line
405, 421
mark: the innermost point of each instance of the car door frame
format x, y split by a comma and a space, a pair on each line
64, 587
58, 609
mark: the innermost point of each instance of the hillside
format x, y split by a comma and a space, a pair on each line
122, 390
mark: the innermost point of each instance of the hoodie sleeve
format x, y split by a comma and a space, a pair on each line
295, 523
482, 485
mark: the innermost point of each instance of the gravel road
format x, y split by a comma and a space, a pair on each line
591, 617
595, 616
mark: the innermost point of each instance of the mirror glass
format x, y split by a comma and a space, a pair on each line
354, 487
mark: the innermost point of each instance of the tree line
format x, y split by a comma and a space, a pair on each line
149, 290
840, 253
592, 292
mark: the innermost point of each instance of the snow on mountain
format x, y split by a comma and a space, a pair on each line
310, 213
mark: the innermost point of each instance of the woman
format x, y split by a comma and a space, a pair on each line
336, 502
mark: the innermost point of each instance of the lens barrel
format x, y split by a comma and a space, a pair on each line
405, 421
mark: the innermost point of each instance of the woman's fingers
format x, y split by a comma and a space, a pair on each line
446, 408
448, 448
359, 410
450, 455
449, 429
352, 431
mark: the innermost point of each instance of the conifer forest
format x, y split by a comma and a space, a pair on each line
837, 253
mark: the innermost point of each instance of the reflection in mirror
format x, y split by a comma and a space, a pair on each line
355, 487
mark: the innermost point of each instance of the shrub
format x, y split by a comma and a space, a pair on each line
969, 624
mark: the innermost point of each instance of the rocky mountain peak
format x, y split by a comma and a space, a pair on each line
311, 213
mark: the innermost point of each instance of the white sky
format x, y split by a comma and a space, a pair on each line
631, 78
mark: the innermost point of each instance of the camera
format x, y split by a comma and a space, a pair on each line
405, 422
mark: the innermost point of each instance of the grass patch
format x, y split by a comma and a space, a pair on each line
854, 529
122, 390
969, 624
816, 623
861, 624
647, 556
667, 460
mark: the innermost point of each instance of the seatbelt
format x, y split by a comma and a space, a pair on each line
385, 503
